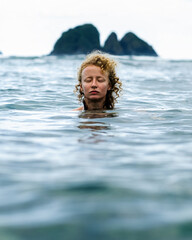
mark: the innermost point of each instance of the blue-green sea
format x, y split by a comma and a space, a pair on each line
123, 174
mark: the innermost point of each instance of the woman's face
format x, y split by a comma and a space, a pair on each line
94, 83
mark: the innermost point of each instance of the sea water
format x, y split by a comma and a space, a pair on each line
109, 175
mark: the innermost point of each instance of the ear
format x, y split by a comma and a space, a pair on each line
109, 87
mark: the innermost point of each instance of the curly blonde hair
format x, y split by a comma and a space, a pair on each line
107, 64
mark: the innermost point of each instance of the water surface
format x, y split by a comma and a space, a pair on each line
118, 174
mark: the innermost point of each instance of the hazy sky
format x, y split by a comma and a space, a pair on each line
31, 27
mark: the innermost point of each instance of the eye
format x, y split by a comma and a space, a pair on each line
101, 80
87, 80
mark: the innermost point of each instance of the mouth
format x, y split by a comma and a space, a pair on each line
94, 92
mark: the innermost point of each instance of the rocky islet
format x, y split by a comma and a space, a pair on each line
85, 38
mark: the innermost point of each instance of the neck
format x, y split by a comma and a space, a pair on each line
93, 105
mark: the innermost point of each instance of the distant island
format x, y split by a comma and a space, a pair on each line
1, 53
85, 38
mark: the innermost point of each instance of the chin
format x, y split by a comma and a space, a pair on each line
95, 98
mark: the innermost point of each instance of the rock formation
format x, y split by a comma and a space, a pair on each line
79, 40
85, 38
112, 45
132, 45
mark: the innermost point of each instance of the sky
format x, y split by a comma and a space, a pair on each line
31, 27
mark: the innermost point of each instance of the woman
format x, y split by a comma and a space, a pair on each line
98, 86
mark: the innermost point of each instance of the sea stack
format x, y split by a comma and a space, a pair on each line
133, 45
112, 45
79, 40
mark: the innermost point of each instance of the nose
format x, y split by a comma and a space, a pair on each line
94, 83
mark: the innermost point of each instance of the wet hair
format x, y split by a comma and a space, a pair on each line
106, 63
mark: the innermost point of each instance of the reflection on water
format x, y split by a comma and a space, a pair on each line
97, 114
93, 138
95, 126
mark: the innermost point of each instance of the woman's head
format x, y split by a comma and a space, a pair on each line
107, 66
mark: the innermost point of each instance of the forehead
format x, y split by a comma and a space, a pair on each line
92, 70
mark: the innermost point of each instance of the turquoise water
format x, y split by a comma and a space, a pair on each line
111, 175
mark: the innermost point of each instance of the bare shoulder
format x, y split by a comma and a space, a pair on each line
79, 109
